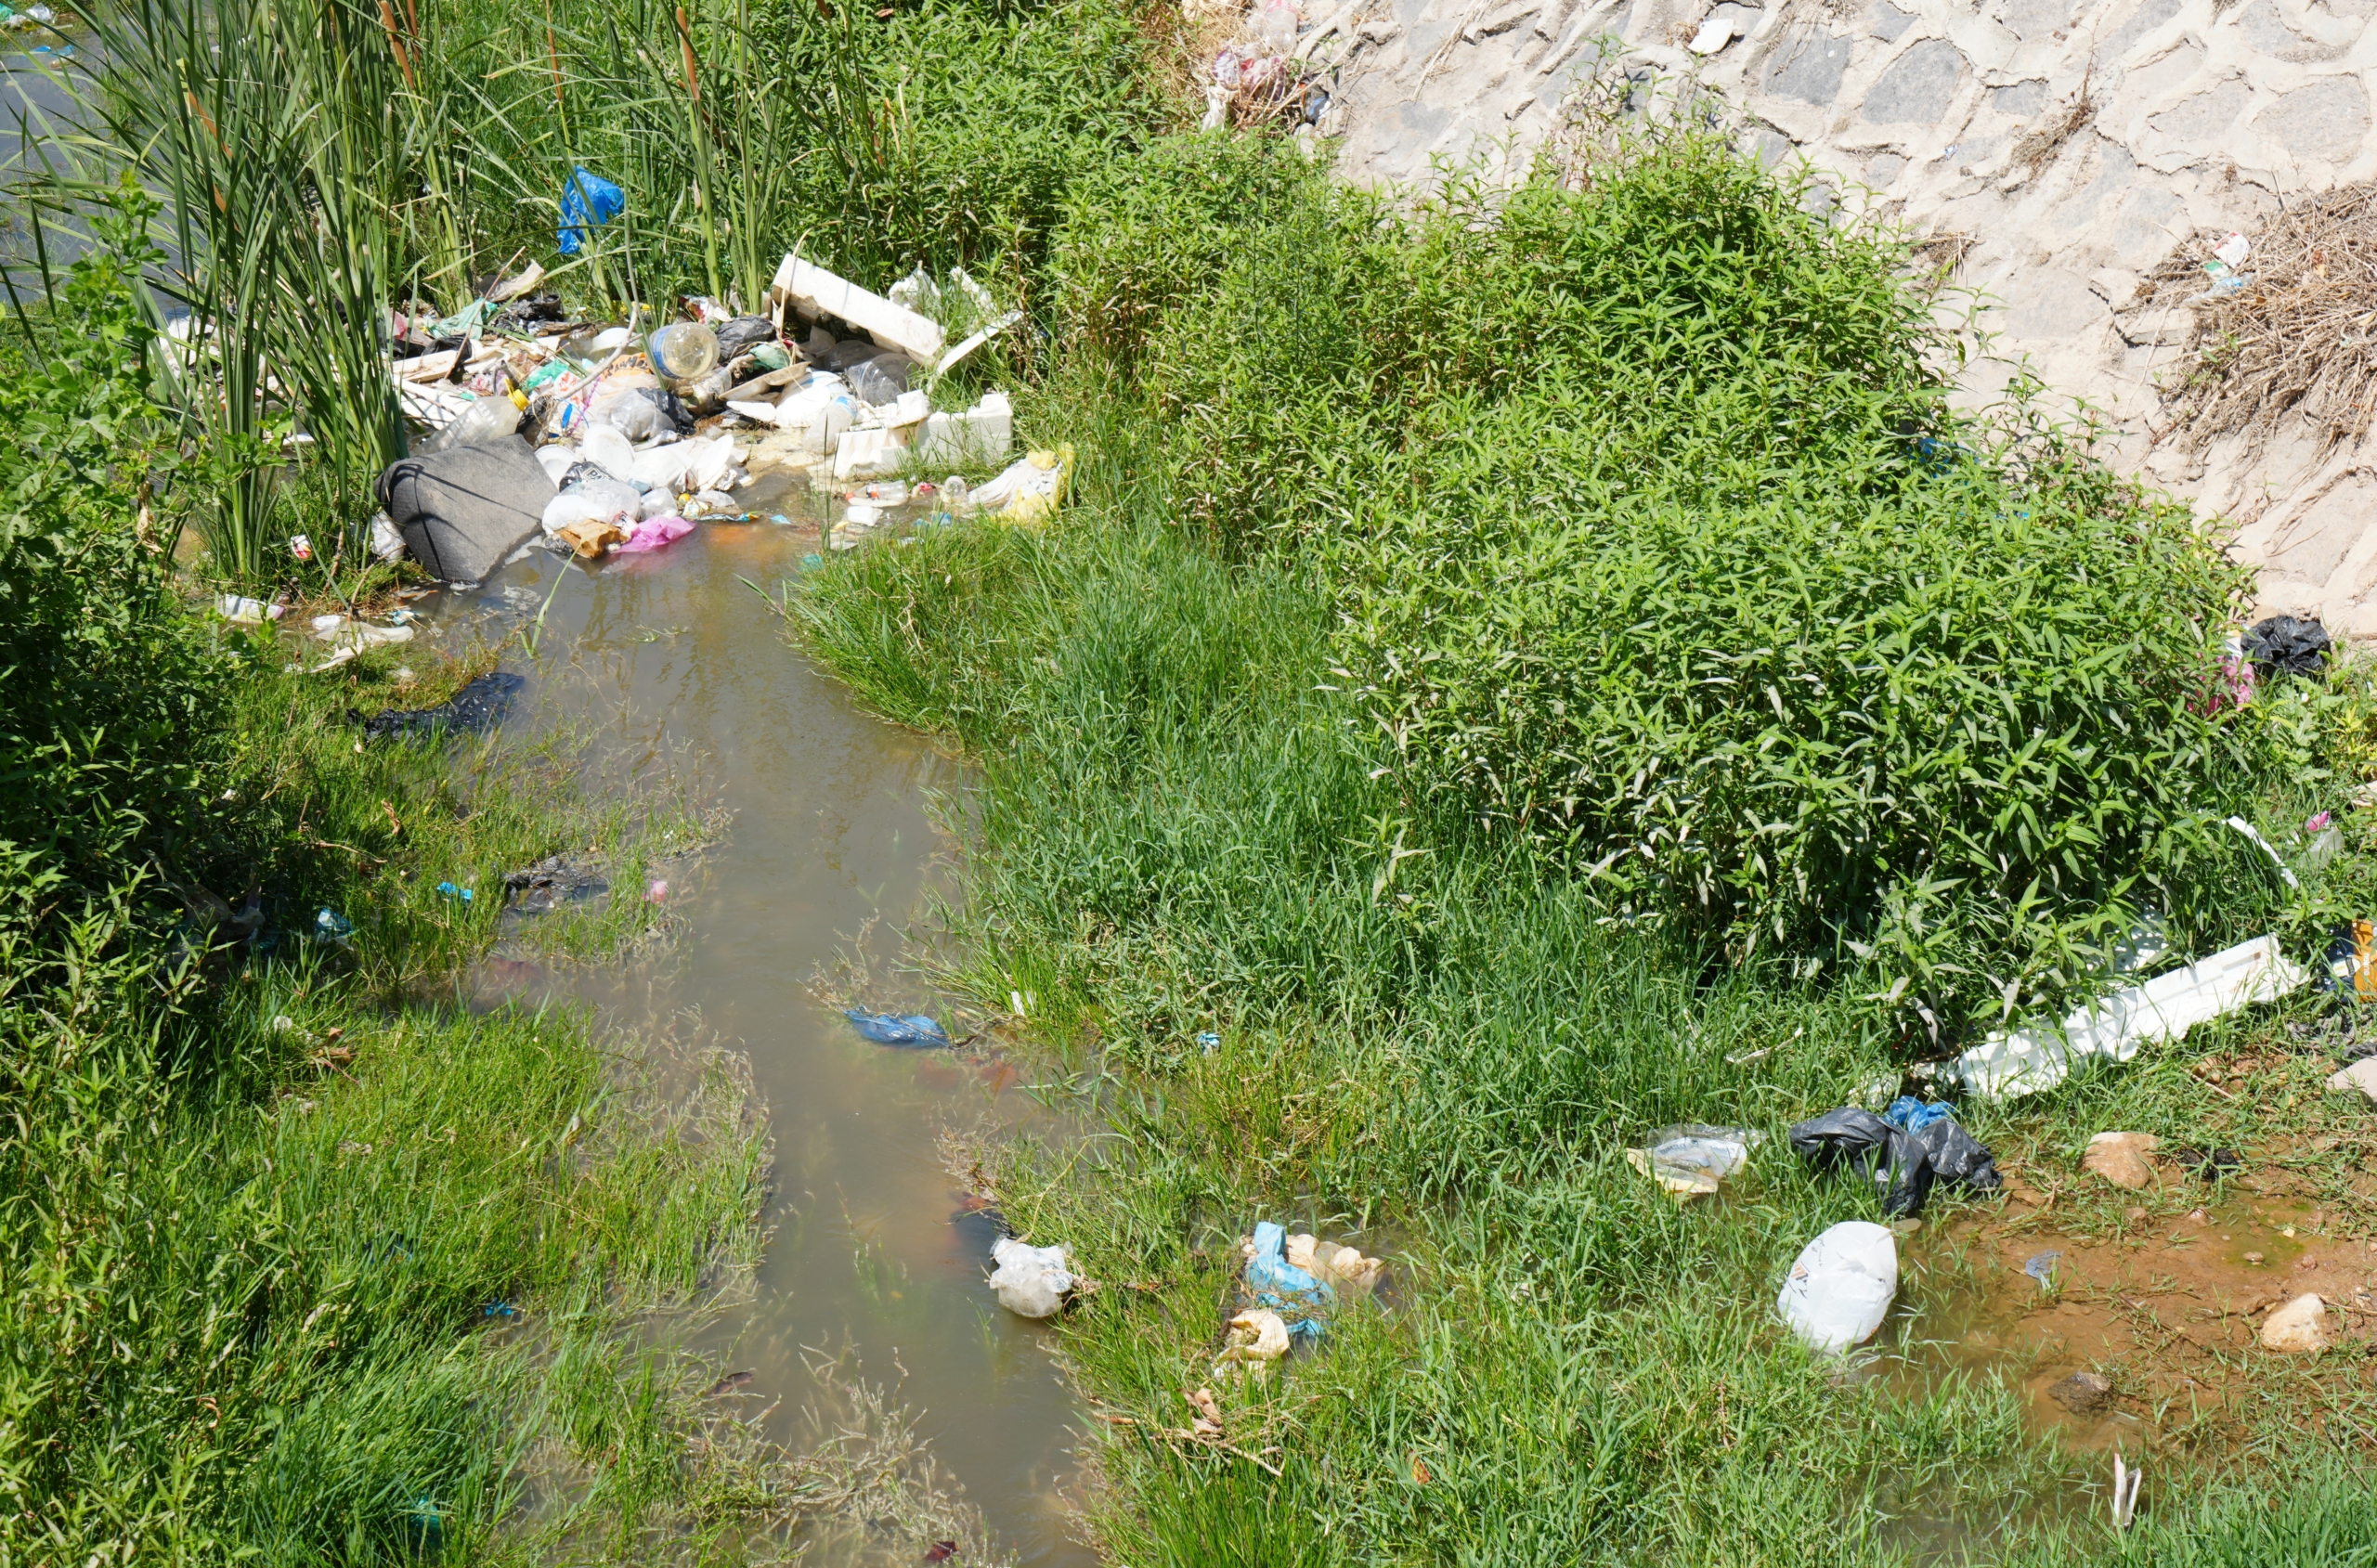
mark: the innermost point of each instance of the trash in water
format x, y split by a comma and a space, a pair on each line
2283, 645
479, 705
1275, 1282
1840, 1286
332, 926
448, 890
1692, 1159
655, 532
657, 893
1256, 1339
2041, 1267
1028, 1281
1334, 1264
551, 883
2164, 1008
889, 1028
2125, 1482
587, 202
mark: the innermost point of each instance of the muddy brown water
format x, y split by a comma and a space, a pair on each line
827, 849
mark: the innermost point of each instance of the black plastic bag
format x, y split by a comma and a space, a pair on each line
1893, 1160
479, 705
1959, 1157
2282, 645
742, 335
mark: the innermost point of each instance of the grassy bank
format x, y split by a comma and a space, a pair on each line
303, 1260
1528, 671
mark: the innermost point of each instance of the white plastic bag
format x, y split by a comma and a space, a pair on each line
1030, 1281
1841, 1285
597, 500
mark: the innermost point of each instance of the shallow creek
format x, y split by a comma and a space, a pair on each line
672, 661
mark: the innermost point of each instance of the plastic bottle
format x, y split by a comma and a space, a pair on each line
683, 351
490, 418
1278, 28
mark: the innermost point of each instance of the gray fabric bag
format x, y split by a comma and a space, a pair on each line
463, 510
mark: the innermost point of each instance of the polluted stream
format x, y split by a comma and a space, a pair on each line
824, 848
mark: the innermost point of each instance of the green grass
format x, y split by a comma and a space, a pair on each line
1190, 818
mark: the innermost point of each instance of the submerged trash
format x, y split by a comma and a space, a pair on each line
1691, 1160
1256, 1339
1030, 1281
1275, 1282
1334, 1264
2041, 1267
479, 705
2164, 1008
551, 883
1840, 1286
889, 1029
654, 533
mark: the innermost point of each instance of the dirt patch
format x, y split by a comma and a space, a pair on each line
2165, 1304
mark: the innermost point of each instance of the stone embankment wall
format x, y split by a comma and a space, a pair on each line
2059, 151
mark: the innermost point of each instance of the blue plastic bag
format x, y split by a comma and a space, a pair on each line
1912, 1114
586, 201
1274, 1280
887, 1028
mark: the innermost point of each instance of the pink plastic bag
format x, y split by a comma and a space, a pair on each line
652, 533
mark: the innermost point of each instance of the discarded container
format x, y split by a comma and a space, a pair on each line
822, 293
2164, 1008
1840, 1286
889, 1029
1692, 1159
982, 436
683, 351
1276, 27
588, 200
1030, 1281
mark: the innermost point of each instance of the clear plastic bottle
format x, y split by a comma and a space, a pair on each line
683, 351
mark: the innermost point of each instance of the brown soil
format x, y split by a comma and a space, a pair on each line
2166, 1301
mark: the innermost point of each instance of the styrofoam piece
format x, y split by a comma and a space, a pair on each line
858, 453
983, 435
2026, 1061
1841, 1285
831, 295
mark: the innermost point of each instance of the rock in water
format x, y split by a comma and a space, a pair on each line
2083, 1393
2123, 1158
2300, 1325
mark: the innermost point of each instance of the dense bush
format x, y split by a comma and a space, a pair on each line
1654, 541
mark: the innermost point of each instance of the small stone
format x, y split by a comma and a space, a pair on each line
2362, 1075
2082, 1392
1905, 1227
2122, 1157
2300, 1325
2253, 1257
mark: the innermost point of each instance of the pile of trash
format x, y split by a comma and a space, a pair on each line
1287, 1289
638, 434
1270, 75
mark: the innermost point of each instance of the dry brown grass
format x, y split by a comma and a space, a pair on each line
2039, 144
2296, 341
